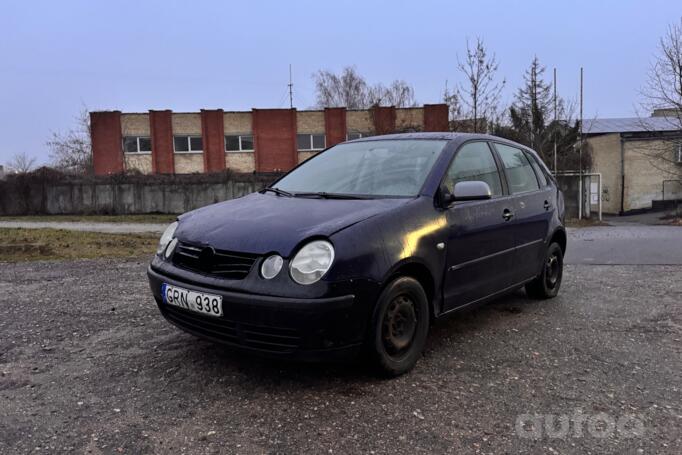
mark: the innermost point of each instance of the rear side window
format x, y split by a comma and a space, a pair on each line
474, 161
538, 170
520, 175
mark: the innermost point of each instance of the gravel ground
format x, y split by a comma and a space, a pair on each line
87, 365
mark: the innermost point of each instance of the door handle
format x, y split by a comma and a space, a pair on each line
547, 205
507, 215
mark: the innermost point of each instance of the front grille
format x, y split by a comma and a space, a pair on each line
206, 260
264, 338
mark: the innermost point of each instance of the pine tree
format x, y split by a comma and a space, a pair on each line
533, 105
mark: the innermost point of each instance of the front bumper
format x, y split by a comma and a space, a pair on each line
306, 329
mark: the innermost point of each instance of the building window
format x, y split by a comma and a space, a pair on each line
137, 144
354, 135
310, 141
678, 153
188, 144
239, 143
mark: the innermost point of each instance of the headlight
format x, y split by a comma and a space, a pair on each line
312, 262
166, 237
271, 266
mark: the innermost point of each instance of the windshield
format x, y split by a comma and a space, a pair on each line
371, 168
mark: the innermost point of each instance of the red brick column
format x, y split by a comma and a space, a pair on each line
213, 136
436, 117
161, 127
274, 132
383, 118
107, 143
335, 125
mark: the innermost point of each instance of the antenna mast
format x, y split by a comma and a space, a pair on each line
291, 90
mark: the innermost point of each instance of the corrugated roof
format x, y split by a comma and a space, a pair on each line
631, 125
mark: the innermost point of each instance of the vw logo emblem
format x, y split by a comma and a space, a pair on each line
206, 258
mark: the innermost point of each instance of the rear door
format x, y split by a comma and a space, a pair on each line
480, 248
532, 201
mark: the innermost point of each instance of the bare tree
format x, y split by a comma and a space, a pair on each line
71, 151
22, 163
480, 92
349, 89
453, 102
398, 94
663, 92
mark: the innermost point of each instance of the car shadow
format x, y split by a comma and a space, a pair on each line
209, 359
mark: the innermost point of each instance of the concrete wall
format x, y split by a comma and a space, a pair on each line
120, 198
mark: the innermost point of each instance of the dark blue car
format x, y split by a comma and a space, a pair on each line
362, 247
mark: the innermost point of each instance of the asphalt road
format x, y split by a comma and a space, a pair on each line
625, 244
87, 365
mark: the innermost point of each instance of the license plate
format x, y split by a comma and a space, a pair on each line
208, 304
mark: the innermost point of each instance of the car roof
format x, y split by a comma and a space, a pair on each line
456, 137
448, 136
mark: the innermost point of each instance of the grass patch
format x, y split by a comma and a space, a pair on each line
47, 244
151, 218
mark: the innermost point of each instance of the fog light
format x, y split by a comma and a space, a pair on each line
271, 266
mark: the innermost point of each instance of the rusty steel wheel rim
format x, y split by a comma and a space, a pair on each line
399, 325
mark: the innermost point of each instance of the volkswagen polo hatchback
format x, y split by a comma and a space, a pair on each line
362, 247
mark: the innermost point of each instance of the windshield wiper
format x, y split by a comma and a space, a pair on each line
277, 191
324, 195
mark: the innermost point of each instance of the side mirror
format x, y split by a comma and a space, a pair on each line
472, 191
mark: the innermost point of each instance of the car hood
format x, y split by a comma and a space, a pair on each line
264, 223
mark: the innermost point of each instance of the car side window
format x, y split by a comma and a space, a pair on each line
520, 175
474, 161
538, 170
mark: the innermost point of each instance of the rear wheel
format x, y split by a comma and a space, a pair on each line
399, 327
547, 284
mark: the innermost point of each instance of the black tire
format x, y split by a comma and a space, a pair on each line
399, 327
547, 284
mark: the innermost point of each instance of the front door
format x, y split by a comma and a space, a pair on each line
480, 248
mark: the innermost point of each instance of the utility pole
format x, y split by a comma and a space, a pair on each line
291, 90
556, 125
580, 150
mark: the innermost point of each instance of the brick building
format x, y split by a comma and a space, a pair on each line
262, 140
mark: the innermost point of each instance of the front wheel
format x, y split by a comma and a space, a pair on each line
399, 327
547, 284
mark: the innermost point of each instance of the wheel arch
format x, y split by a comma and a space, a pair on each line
559, 236
419, 271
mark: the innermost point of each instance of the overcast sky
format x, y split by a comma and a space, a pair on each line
56, 57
